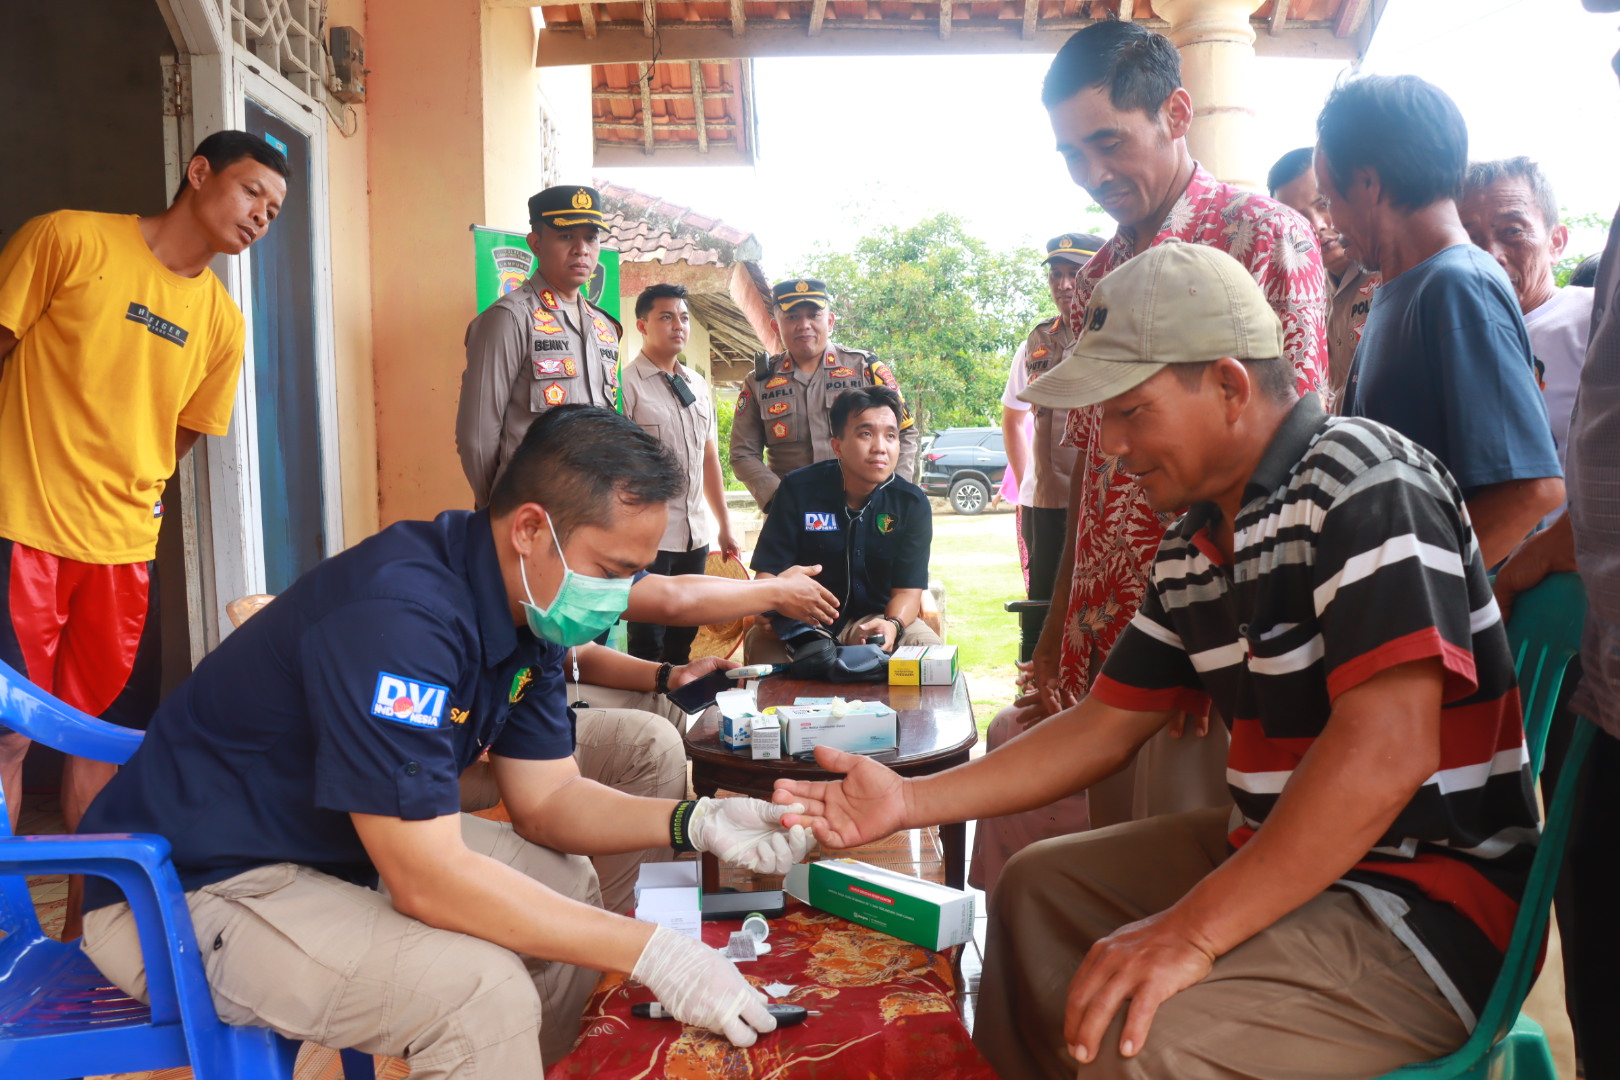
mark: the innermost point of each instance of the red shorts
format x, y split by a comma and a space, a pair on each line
85, 633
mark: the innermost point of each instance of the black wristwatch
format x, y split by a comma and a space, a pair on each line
661, 680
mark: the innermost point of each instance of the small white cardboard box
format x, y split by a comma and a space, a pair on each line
867, 727
765, 738
737, 709
670, 894
939, 665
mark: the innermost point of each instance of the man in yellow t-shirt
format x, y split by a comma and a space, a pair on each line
119, 348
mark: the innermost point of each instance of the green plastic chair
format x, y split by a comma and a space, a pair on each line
1545, 634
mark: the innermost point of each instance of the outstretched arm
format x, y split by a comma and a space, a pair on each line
698, 600
1068, 753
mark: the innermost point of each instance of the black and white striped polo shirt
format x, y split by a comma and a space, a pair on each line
1352, 554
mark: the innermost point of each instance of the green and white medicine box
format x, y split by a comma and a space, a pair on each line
921, 912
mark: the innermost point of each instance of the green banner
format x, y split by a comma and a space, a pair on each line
502, 261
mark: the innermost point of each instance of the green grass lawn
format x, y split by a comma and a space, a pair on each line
977, 559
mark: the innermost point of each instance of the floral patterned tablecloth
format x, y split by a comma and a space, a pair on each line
887, 1009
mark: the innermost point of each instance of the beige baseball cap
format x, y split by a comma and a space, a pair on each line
1176, 303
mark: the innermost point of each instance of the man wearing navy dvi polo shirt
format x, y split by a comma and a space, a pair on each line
326, 745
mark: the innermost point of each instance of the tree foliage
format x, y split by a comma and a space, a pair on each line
1589, 225
942, 307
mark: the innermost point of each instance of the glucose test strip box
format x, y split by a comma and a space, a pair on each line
921, 912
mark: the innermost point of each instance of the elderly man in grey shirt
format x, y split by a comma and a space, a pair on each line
1588, 539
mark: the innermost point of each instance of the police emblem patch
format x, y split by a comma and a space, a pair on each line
555, 394
842, 372
817, 522
548, 366
779, 429
744, 397
778, 408
1039, 353
568, 366
779, 380
582, 199
885, 523
885, 376
803, 286
406, 701
520, 683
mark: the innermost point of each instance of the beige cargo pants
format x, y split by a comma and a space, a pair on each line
1328, 991
321, 960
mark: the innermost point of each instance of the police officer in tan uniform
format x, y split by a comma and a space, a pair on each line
1043, 473
782, 414
541, 345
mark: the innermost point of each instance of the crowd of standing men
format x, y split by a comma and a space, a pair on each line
1274, 446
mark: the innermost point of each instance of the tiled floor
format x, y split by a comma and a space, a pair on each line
916, 852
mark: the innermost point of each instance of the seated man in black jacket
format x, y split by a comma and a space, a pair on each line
868, 529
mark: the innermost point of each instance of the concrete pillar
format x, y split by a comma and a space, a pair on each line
454, 141
1216, 43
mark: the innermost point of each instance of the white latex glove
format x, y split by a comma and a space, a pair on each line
749, 833
700, 987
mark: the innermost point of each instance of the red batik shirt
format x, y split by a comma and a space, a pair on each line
1117, 532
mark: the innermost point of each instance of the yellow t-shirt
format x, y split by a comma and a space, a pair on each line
114, 353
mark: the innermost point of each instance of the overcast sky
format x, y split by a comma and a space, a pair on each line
892, 140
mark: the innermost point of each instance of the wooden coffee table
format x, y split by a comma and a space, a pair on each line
936, 733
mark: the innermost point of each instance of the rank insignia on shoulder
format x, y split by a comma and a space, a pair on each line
832, 359
778, 408
779, 380
885, 523
841, 372
548, 298
779, 429
555, 394
406, 701
819, 522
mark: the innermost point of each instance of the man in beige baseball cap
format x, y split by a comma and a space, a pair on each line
1325, 594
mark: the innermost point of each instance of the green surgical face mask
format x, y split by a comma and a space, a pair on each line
584, 609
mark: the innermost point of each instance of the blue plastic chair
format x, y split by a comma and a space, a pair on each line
59, 1017
1545, 634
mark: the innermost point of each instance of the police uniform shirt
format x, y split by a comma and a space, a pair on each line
864, 555
1052, 461
685, 430
367, 687
1347, 314
527, 352
784, 420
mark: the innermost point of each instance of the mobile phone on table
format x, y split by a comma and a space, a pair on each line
770, 903
699, 694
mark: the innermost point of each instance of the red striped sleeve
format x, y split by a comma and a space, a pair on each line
1138, 699
1454, 882
1461, 679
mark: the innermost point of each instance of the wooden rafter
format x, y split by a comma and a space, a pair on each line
1279, 15
697, 103
587, 19
818, 13
1127, 10
649, 17
1351, 12
1032, 14
657, 95
739, 19
646, 106
944, 18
